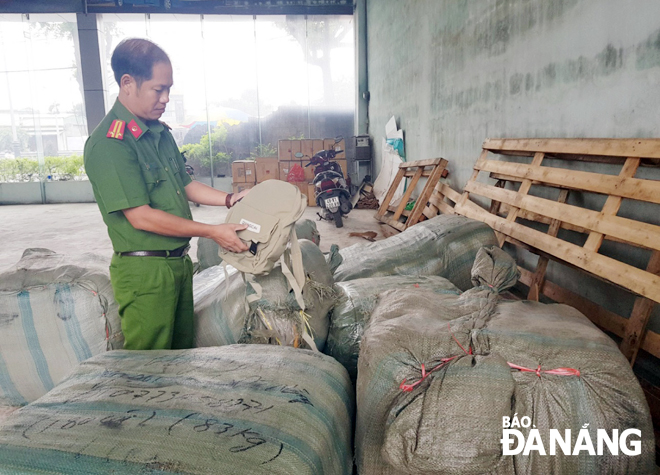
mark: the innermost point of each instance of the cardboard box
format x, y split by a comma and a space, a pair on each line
307, 147
328, 144
311, 195
244, 171
296, 147
238, 187
238, 172
284, 150
267, 169
250, 172
317, 145
285, 168
302, 186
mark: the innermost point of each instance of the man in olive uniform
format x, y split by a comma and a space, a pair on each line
142, 189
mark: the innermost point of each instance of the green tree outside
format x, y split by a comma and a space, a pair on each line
201, 152
24, 169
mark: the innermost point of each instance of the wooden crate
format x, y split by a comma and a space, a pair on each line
397, 216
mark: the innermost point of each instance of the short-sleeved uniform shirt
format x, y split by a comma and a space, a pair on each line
132, 163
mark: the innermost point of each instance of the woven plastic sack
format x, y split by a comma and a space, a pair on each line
55, 311
356, 302
221, 316
445, 246
207, 249
333, 258
220, 312
277, 318
243, 409
485, 359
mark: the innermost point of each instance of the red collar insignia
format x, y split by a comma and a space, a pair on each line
116, 130
135, 129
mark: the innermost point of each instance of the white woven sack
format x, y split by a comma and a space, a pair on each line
55, 311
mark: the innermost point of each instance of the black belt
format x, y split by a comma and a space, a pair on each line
180, 252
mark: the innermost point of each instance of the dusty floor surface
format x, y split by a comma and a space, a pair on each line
78, 228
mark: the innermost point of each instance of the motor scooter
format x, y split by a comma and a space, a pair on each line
330, 186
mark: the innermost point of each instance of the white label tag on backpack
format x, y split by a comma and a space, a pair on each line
254, 227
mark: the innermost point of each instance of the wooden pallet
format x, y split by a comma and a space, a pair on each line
513, 208
398, 217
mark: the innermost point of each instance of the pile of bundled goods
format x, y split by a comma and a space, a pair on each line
444, 246
55, 311
476, 384
356, 303
252, 409
207, 249
223, 315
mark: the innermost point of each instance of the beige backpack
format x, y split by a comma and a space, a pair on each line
270, 210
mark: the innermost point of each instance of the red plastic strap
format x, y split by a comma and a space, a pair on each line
443, 362
457, 342
409, 387
556, 371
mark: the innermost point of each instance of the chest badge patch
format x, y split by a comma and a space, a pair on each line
116, 130
134, 128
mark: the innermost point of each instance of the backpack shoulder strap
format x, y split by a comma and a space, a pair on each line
296, 278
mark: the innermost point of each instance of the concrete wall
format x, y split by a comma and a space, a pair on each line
55, 192
70, 191
20, 193
454, 72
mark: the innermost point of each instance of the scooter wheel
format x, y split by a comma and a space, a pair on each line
338, 221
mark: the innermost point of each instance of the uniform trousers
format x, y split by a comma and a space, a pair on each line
155, 300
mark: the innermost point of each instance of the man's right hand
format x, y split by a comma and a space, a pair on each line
225, 236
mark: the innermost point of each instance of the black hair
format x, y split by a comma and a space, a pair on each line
136, 57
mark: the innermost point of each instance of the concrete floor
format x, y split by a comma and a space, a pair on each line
77, 228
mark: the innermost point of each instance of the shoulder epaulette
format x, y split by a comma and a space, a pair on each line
165, 125
116, 130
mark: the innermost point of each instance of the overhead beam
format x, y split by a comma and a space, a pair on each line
208, 7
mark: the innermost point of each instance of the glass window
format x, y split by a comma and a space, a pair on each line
115, 28
232, 84
246, 82
331, 64
42, 121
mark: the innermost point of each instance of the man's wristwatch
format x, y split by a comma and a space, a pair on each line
228, 200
